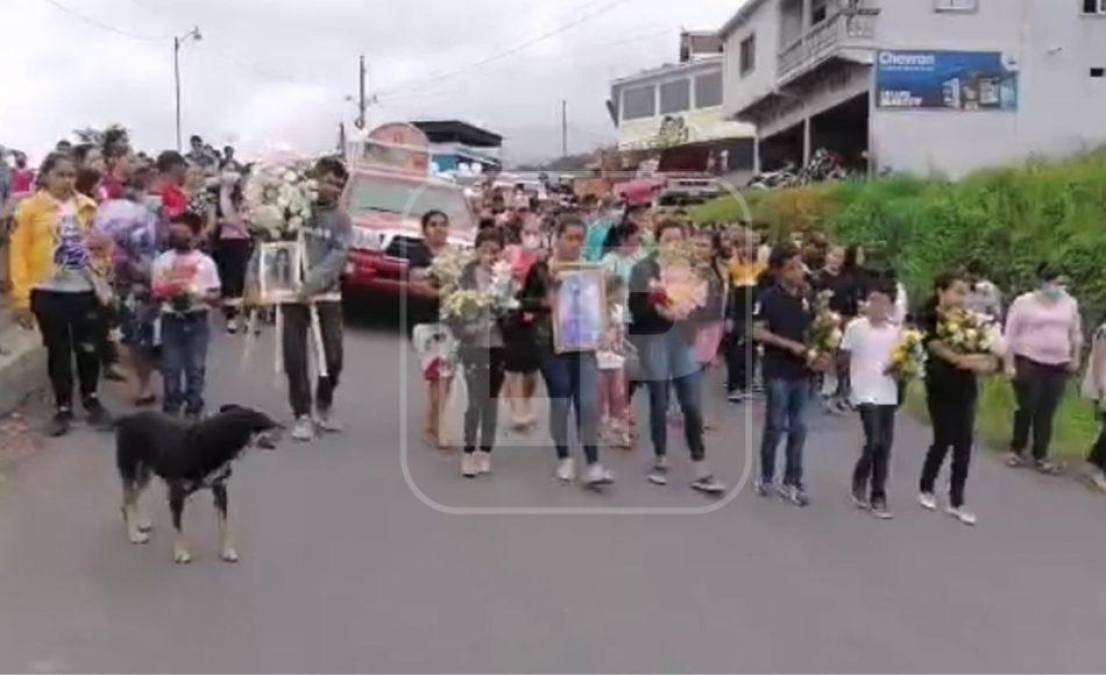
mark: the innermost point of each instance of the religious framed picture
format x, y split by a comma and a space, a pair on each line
580, 312
279, 267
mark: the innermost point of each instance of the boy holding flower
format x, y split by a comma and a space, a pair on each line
868, 349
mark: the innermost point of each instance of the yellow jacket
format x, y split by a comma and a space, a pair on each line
33, 240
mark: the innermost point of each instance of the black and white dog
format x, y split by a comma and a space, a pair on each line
188, 457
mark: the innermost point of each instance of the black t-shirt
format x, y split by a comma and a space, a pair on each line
419, 309
845, 289
942, 376
788, 316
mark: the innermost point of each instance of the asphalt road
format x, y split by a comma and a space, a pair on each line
368, 552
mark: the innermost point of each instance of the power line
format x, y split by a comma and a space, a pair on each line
512, 50
103, 26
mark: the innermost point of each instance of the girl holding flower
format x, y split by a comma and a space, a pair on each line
951, 393
481, 352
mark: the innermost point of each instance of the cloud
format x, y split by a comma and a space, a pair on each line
278, 71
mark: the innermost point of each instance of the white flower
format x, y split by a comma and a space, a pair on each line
289, 176
295, 223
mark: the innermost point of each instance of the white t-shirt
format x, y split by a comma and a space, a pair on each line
870, 348
193, 272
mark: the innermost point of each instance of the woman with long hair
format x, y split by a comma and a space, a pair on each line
521, 355
951, 393
571, 378
56, 275
433, 342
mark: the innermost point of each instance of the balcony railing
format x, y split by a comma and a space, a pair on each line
839, 31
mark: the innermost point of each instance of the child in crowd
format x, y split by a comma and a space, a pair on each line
867, 349
186, 283
613, 405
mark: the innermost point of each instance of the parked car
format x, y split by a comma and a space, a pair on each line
690, 189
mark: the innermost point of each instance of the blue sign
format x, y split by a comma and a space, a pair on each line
941, 80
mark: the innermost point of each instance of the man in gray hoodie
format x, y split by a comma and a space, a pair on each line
326, 243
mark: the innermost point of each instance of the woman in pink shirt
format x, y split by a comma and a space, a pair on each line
1044, 337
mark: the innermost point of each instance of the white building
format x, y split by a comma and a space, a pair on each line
922, 86
674, 112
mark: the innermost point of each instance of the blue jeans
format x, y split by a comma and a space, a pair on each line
668, 361
785, 413
184, 339
573, 380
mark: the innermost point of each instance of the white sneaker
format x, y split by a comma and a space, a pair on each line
962, 514
928, 500
469, 467
566, 470
598, 475
304, 429
325, 421
483, 462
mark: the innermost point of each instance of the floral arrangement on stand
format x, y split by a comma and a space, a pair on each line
279, 198
823, 337
908, 357
682, 286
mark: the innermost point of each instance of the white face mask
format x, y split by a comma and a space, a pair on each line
531, 241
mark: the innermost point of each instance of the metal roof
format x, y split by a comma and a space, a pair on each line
460, 131
671, 68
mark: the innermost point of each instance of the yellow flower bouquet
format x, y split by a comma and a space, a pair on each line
908, 357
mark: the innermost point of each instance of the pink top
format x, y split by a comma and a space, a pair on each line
521, 259
1043, 331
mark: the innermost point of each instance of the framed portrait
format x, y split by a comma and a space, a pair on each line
580, 312
279, 275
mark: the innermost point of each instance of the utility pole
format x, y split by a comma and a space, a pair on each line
361, 102
564, 128
193, 34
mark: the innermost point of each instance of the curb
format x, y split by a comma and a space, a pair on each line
22, 366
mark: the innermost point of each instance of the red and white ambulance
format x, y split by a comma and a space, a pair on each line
390, 187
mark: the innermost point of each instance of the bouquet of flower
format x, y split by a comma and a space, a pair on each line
279, 198
823, 337
504, 288
967, 332
447, 266
681, 288
465, 306
908, 357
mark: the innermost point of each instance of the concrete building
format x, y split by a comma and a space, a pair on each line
454, 143
922, 86
673, 113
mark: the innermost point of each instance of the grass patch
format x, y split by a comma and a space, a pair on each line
1074, 431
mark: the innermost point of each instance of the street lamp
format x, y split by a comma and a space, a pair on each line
193, 34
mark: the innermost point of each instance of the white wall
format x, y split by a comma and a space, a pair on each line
1061, 109
739, 91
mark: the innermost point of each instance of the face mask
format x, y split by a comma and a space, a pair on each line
1052, 291
531, 241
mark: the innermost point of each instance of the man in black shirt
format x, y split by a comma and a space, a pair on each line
780, 323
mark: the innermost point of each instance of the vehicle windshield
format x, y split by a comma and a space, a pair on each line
370, 194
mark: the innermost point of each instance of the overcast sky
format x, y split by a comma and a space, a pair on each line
276, 72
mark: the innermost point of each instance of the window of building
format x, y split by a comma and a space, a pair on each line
1098, 72
956, 5
819, 10
639, 102
748, 55
675, 96
708, 90
1094, 7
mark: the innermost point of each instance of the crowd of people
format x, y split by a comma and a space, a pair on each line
107, 241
